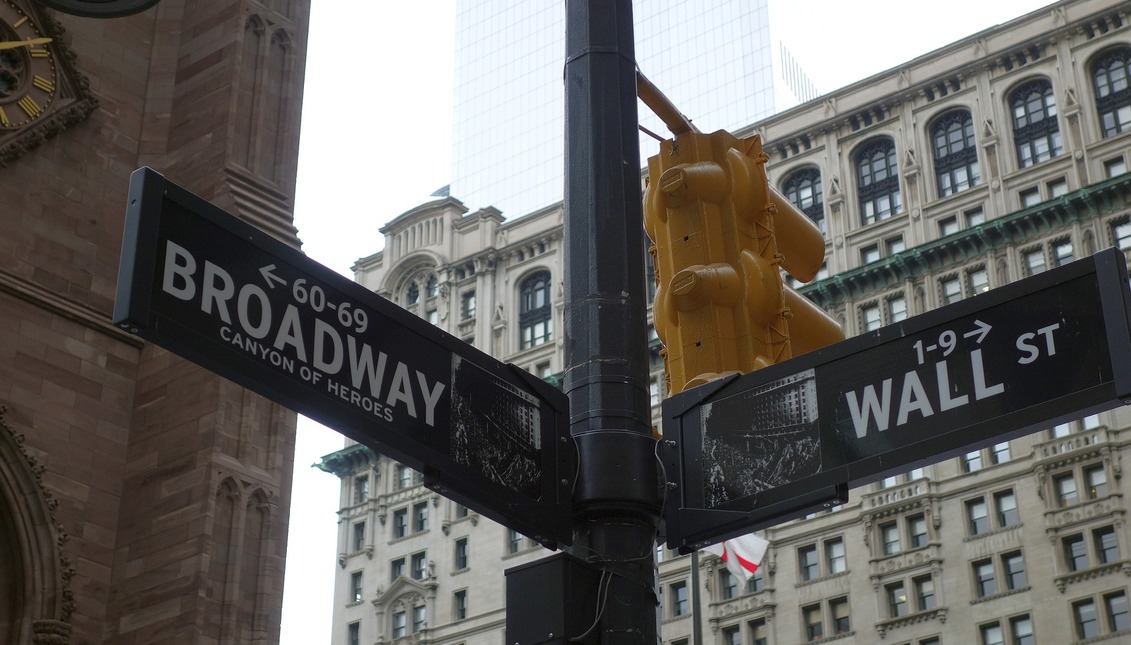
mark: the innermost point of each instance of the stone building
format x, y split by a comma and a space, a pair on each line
142, 498
983, 162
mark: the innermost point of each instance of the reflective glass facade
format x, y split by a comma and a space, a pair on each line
714, 59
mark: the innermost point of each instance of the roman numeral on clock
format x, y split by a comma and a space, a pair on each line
29, 106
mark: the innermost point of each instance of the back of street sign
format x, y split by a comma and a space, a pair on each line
752, 451
224, 294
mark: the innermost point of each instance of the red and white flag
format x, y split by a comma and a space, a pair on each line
741, 554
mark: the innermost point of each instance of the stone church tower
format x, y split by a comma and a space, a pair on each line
142, 498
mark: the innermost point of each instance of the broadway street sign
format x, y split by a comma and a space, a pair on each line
203, 284
755, 450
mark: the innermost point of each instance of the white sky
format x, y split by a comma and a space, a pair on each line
375, 142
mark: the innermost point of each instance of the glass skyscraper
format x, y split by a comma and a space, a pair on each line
715, 59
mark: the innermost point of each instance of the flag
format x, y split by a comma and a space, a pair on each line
741, 554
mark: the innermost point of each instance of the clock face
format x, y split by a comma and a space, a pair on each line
27, 68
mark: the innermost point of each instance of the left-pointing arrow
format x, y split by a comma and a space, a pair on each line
268, 275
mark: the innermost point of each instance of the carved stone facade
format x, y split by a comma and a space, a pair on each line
1001, 155
142, 499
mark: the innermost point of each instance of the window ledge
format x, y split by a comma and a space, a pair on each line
1003, 594
1110, 568
833, 637
831, 576
885, 626
1106, 637
985, 534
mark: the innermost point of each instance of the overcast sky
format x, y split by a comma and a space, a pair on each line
376, 135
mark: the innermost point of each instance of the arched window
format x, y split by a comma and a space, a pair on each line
877, 181
956, 158
1035, 128
534, 316
1111, 74
803, 190
412, 294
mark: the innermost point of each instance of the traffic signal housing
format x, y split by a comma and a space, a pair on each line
720, 238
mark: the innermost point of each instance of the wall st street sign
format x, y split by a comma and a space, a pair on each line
752, 451
220, 292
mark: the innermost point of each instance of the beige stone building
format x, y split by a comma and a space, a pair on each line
983, 162
142, 498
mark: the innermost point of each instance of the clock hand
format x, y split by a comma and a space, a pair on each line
12, 44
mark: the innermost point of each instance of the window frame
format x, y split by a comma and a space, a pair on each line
876, 167
956, 166
535, 310
1036, 132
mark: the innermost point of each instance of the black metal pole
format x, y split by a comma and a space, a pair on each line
606, 377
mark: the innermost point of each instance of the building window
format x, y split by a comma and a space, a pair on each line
1121, 234
1035, 128
1095, 481
404, 477
1075, 553
1085, 613
870, 318
355, 587
951, 290
924, 593
1058, 188
811, 615
1022, 630
431, 287
1110, 75
978, 280
1117, 616
461, 511
678, 595
842, 621
975, 217
803, 190
467, 305
1034, 261
1030, 197
459, 604
412, 294
917, 531
396, 569
897, 309
400, 523
890, 535
755, 583
1062, 253
948, 226
956, 158
1013, 566
360, 489
534, 319
759, 633
1114, 167
991, 634
417, 619
869, 254
807, 562
419, 564
514, 541
999, 453
985, 584
359, 536
732, 636
728, 584
897, 600
977, 517
353, 634
432, 316
1005, 504
972, 461
894, 245
461, 554
399, 626
420, 517
834, 556
1066, 493
877, 181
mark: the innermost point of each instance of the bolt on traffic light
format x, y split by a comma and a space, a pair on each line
720, 239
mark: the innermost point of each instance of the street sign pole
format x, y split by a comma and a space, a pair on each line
617, 498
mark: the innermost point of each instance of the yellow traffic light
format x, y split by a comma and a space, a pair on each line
720, 238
